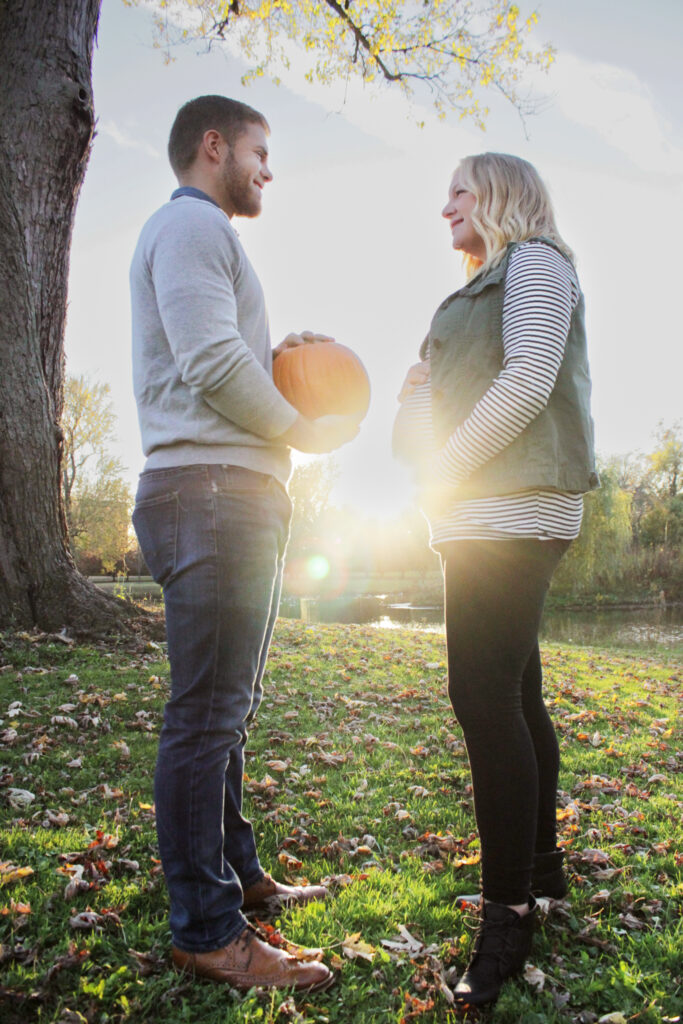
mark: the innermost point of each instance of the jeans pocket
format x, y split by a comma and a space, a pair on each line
156, 525
237, 480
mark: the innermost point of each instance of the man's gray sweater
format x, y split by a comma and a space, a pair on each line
202, 361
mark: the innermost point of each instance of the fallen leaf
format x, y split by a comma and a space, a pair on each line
353, 947
407, 943
110, 793
129, 865
535, 977
148, 963
462, 862
591, 856
20, 798
603, 874
72, 1017
289, 862
267, 782
73, 958
10, 873
86, 920
58, 819
103, 839
434, 867
16, 908
289, 1010
64, 720
569, 813
634, 924
416, 1007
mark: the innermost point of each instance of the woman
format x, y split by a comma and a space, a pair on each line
497, 418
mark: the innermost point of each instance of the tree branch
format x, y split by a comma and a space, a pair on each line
363, 41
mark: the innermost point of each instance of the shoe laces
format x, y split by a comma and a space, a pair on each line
494, 941
247, 936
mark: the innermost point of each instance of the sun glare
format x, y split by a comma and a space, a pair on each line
317, 567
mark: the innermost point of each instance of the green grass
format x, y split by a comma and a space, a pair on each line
356, 773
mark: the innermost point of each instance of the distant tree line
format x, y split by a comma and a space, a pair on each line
632, 537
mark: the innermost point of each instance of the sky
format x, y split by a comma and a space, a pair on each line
351, 241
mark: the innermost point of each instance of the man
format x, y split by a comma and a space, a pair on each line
212, 517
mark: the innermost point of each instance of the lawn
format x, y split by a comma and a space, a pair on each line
357, 774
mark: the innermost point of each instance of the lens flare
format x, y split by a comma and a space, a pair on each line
317, 567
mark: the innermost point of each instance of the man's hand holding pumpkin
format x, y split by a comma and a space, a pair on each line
305, 338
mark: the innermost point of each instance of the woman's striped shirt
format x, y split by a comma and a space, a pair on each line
541, 291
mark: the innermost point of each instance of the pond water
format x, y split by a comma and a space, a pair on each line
649, 628
644, 628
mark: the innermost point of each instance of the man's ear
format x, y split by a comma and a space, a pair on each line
212, 145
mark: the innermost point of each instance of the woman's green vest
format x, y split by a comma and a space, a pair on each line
465, 342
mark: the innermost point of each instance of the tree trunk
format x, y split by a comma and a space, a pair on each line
46, 129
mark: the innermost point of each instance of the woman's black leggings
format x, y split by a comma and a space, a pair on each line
494, 599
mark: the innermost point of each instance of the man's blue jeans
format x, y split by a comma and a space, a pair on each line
214, 537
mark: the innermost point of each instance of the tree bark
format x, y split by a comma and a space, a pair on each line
46, 130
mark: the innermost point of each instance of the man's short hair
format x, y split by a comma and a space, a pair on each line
229, 117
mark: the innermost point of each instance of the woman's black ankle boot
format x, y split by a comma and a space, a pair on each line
548, 878
501, 945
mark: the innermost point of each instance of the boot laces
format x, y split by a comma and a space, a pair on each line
494, 940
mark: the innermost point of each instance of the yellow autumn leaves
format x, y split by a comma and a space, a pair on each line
10, 873
444, 51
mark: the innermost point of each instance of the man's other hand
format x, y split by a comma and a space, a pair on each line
324, 434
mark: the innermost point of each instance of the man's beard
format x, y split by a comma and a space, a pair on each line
239, 189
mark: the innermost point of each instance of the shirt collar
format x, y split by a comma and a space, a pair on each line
195, 193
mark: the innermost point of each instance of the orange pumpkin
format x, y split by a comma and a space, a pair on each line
323, 377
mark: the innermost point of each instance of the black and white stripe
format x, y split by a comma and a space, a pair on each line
541, 291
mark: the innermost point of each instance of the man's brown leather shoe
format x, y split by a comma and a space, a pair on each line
267, 891
248, 961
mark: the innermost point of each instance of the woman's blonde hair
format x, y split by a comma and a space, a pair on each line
512, 205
